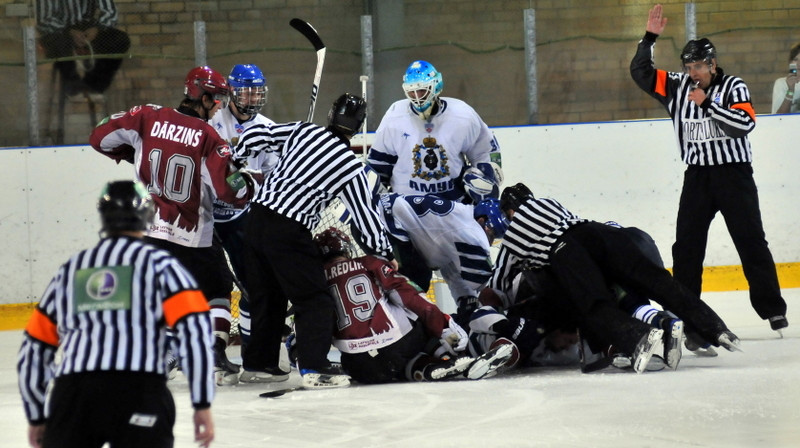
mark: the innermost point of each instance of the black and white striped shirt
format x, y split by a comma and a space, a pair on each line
534, 229
108, 308
713, 133
56, 15
314, 168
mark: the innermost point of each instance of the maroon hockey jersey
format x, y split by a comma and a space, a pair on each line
375, 305
183, 162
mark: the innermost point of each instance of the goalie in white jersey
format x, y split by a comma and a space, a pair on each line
425, 142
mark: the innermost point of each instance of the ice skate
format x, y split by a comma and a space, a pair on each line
778, 323
326, 378
488, 364
226, 373
703, 349
444, 369
729, 341
673, 333
268, 375
652, 342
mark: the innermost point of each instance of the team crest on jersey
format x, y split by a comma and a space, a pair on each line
224, 150
430, 160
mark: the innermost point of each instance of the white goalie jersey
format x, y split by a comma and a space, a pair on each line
414, 156
229, 128
445, 234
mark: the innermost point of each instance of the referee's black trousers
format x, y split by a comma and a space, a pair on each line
731, 190
590, 256
283, 264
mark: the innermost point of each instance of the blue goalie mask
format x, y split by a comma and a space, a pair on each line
422, 85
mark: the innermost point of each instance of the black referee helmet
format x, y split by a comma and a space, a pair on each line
125, 205
347, 114
514, 196
698, 50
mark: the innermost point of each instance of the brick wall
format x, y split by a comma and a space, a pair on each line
584, 49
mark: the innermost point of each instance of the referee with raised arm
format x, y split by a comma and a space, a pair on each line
315, 166
107, 309
712, 115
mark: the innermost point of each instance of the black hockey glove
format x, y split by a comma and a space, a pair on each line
526, 333
466, 305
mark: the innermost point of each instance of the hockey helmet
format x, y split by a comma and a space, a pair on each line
698, 50
333, 242
513, 196
422, 85
495, 219
202, 80
347, 114
248, 88
125, 205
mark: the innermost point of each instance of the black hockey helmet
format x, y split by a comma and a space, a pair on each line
347, 114
125, 205
513, 196
698, 50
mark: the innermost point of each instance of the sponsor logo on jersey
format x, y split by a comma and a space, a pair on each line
224, 150
702, 130
135, 110
104, 288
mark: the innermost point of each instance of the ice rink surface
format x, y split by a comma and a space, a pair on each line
749, 399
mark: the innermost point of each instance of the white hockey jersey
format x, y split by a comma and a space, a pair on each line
447, 236
229, 128
415, 156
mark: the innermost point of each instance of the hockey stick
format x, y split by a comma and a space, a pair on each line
278, 393
236, 280
311, 34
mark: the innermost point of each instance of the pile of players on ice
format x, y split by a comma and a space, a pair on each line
561, 290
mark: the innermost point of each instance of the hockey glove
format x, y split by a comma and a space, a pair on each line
525, 333
466, 305
454, 339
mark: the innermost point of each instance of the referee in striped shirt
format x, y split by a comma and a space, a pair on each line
585, 256
315, 166
107, 308
712, 116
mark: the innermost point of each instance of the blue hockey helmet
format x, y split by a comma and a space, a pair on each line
422, 85
248, 88
495, 218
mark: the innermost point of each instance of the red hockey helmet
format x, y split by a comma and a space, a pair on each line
202, 80
332, 242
